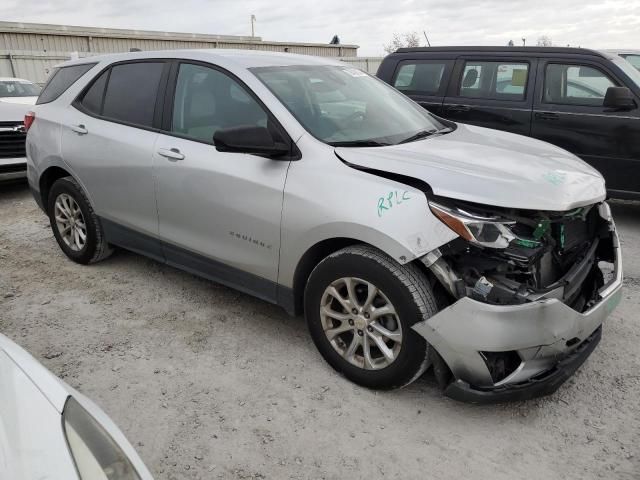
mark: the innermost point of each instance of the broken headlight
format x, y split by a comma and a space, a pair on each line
490, 232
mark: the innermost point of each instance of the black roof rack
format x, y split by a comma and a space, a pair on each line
565, 50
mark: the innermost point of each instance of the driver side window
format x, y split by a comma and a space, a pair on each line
575, 85
207, 100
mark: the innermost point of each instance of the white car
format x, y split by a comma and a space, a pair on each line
630, 55
48, 431
16, 97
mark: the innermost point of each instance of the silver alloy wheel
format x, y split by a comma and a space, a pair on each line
361, 323
70, 222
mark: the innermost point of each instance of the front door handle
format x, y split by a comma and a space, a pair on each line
171, 153
79, 129
547, 116
458, 108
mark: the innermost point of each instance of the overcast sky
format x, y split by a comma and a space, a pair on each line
368, 23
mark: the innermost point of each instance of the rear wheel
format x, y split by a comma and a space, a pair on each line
75, 225
360, 305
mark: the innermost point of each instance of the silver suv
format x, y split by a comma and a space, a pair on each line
408, 241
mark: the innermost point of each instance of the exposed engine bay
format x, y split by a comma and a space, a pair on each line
511, 256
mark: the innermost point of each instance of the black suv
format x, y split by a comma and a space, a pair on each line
582, 100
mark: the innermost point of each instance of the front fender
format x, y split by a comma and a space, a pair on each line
326, 199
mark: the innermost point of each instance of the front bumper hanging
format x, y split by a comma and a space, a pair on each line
549, 338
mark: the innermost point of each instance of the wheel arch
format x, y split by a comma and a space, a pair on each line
322, 249
314, 255
47, 179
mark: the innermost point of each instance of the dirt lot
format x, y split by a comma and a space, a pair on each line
210, 383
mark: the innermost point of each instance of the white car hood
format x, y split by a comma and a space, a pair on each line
32, 443
489, 167
14, 111
19, 100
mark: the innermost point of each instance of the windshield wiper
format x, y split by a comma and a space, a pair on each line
359, 143
418, 136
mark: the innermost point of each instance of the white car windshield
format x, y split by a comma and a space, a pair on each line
343, 106
17, 88
633, 59
629, 69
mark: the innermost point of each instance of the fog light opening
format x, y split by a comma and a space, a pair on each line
501, 364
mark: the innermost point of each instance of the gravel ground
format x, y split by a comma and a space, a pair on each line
208, 383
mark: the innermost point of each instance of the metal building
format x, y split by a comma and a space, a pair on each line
30, 50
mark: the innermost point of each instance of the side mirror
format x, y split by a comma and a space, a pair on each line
249, 139
619, 98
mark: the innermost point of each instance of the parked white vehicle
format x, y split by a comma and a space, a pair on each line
49, 431
630, 55
16, 98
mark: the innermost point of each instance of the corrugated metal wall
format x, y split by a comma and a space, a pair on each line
31, 50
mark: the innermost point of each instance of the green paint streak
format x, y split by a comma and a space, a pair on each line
390, 199
523, 242
614, 301
541, 229
555, 178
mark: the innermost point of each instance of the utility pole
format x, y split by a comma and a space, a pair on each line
253, 21
524, 42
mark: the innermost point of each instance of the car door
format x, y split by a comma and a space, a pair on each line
569, 113
219, 212
492, 92
424, 81
108, 140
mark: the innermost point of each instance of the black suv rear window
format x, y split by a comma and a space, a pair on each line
61, 80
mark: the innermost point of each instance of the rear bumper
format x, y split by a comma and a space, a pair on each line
13, 168
550, 338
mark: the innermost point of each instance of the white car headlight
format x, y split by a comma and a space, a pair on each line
490, 232
96, 455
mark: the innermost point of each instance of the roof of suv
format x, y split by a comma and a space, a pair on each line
530, 50
241, 58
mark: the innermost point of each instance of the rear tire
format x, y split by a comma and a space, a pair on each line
75, 225
355, 274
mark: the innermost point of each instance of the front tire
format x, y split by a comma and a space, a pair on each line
360, 305
75, 225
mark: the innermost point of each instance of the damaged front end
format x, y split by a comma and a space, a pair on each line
529, 291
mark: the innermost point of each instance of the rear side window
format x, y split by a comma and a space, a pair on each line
575, 85
420, 77
131, 93
92, 100
494, 80
61, 80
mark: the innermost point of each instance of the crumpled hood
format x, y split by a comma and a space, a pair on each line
489, 167
14, 112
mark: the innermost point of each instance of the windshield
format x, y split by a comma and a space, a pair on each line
18, 88
629, 69
344, 106
633, 59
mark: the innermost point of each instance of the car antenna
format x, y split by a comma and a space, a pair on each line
425, 36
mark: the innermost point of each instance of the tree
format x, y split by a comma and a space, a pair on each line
409, 39
545, 41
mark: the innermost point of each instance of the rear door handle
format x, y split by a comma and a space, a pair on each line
547, 116
79, 129
458, 108
171, 153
